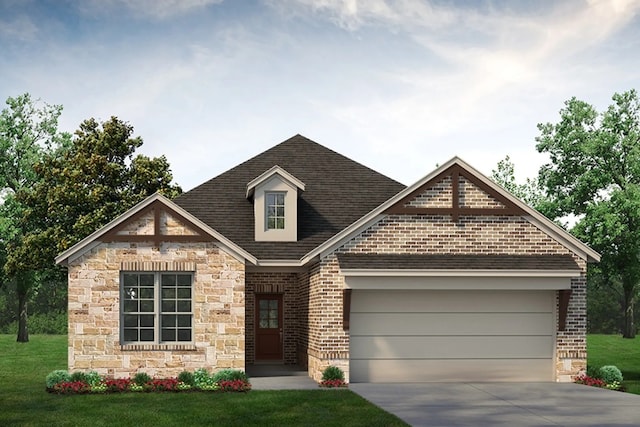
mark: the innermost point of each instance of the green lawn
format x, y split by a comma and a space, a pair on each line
615, 350
24, 401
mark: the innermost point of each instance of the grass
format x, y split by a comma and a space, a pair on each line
615, 350
24, 401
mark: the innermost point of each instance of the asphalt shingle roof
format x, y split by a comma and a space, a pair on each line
457, 262
338, 191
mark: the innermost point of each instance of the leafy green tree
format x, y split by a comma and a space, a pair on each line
594, 173
28, 131
83, 188
530, 192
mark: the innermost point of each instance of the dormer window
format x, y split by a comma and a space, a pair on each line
275, 211
275, 205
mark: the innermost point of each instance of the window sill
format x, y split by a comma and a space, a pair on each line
158, 347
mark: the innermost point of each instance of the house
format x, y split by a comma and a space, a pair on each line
303, 256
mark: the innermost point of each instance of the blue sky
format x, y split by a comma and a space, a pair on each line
399, 86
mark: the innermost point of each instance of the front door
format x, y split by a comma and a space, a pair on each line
269, 327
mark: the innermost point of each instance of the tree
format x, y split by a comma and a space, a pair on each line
28, 131
83, 188
594, 173
530, 192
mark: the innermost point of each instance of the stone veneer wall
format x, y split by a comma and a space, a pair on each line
274, 283
94, 310
329, 344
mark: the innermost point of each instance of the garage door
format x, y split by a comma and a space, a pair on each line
463, 335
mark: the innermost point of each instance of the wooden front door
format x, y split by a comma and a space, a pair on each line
268, 327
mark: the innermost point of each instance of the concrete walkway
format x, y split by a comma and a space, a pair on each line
279, 377
503, 404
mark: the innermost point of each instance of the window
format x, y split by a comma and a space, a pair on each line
156, 307
275, 211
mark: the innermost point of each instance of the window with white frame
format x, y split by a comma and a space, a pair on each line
275, 210
156, 307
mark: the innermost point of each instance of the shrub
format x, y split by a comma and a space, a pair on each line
332, 373
57, 377
79, 376
610, 374
593, 371
141, 378
93, 378
186, 377
117, 385
229, 375
203, 380
41, 323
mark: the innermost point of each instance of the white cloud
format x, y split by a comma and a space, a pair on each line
156, 9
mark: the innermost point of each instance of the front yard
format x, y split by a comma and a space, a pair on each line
24, 401
615, 350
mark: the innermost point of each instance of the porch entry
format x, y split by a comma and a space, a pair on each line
269, 339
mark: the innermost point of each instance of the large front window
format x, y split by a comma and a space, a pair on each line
275, 211
156, 307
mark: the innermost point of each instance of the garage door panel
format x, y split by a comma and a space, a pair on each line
436, 335
451, 347
457, 370
451, 323
452, 301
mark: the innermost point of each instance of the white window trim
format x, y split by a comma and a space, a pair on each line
276, 217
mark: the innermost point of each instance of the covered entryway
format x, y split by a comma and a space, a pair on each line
407, 335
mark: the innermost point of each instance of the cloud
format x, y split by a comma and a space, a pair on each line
19, 28
155, 9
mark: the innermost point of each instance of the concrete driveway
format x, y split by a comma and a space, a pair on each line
503, 404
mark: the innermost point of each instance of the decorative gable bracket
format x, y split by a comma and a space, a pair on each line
455, 210
159, 214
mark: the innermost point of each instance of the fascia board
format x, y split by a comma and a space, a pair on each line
457, 273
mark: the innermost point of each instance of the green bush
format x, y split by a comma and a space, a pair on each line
229, 375
47, 324
332, 373
79, 376
141, 378
202, 379
57, 377
593, 371
186, 377
610, 374
93, 378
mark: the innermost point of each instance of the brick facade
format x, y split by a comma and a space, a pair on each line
433, 234
313, 333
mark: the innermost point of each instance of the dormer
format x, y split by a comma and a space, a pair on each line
275, 205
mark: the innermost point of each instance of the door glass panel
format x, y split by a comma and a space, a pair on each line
268, 313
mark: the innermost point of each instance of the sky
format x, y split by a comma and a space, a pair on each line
397, 85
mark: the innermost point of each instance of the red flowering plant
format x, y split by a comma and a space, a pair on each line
162, 384
234, 385
583, 378
117, 385
71, 387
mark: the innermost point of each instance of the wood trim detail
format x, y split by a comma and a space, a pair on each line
157, 237
564, 296
455, 211
346, 308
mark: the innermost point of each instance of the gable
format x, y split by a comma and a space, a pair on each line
156, 223
455, 192
455, 195
155, 219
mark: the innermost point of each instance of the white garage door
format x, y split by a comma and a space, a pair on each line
463, 335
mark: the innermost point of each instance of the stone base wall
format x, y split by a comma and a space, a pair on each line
94, 310
318, 362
